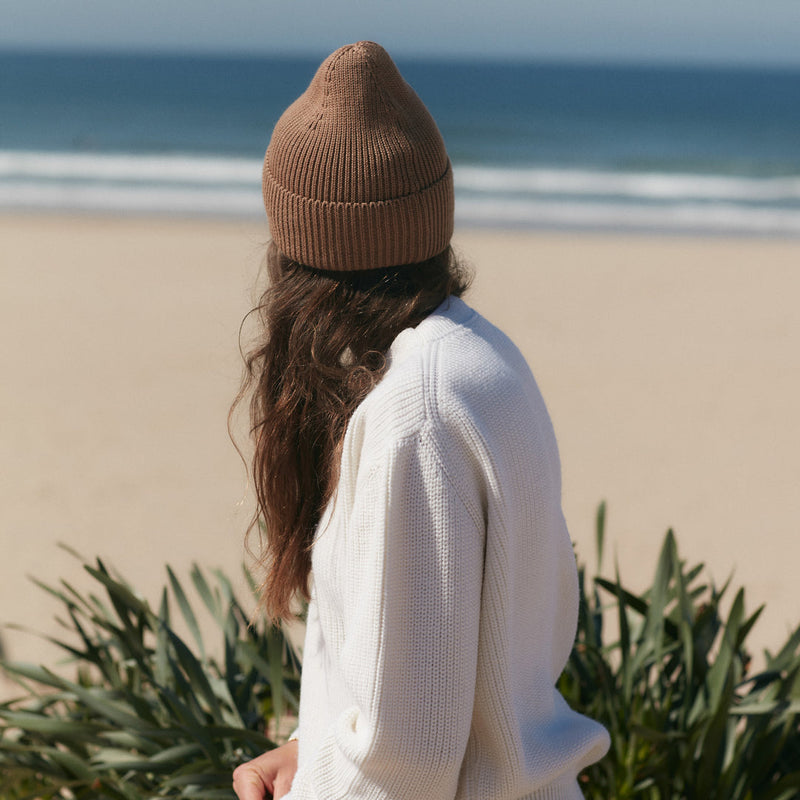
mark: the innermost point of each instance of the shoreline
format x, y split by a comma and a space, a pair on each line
669, 364
541, 228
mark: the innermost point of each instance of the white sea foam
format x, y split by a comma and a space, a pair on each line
532, 196
136, 168
180, 184
473, 179
689, 217
643, 185
136, 199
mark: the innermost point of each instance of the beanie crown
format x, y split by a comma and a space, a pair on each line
356, 175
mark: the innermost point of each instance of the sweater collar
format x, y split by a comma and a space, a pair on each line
452, 314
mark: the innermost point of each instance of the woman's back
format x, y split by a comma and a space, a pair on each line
444, 591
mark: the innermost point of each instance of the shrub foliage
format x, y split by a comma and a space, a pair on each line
673, 686
150, 713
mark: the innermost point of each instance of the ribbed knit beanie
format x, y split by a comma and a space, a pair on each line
356, 175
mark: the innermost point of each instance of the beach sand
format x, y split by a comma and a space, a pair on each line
671, 367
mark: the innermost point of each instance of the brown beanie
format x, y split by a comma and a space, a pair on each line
356, 174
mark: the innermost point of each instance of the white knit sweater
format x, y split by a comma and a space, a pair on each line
444, 598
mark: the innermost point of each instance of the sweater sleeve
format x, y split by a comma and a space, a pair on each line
411, 565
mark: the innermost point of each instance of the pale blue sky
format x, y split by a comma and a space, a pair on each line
729, 31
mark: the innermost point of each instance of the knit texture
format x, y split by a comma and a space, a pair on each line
356, 175
444, 599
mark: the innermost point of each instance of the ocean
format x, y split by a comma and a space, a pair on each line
710, 150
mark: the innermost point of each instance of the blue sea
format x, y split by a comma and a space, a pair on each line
532, 145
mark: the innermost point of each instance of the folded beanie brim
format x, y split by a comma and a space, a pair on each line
345, 236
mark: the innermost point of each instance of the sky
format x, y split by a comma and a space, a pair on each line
678, 31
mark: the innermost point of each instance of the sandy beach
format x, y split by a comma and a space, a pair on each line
671, 366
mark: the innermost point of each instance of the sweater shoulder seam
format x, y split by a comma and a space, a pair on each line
427, 432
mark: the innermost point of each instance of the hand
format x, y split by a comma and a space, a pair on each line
268, 775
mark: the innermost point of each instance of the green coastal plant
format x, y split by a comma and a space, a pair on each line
673, 686
148, 714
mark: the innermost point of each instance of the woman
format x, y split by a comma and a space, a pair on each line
404, 452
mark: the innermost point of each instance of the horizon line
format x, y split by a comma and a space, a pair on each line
400, 54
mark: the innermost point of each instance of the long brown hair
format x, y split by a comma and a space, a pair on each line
321, 348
